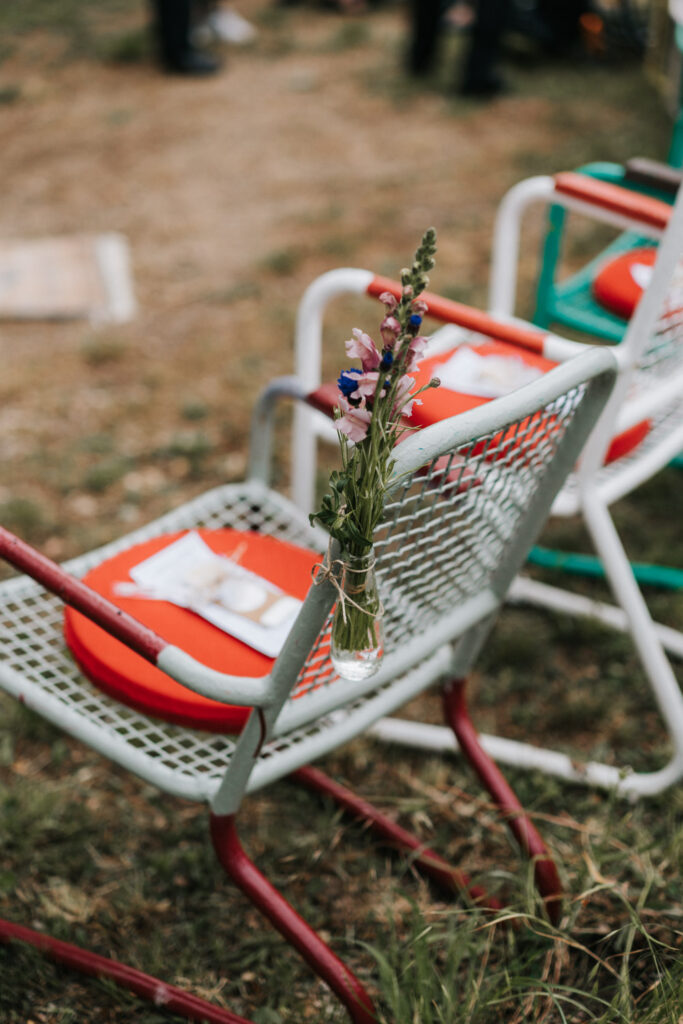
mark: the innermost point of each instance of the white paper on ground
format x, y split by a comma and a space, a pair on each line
485, 376
69, 277
188, 573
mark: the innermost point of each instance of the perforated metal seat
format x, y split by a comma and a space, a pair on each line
38, 668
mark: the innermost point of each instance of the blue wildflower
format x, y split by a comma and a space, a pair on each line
415, 320
348, 381
387, 360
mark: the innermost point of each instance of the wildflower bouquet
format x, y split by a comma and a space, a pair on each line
374, 402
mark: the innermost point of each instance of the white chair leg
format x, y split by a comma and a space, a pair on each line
524, 590
633, 617
623, 781
657, 667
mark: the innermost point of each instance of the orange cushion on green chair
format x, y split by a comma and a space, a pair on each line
125, 675
620, 284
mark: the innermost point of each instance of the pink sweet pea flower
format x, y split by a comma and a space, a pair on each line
402, 402
367, 384
420, 307
354, 423
415, 353
389, 300
362, 347
390, 329
407, 409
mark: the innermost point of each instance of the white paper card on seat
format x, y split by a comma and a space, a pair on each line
188, 573
641, 274
485, 376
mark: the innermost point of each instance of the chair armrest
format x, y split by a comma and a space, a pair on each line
653, 174
622, 208
218, 686
325, 399
450, 312
613, 198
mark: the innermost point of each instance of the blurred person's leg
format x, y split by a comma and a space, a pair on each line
481, 76
172, 23
425, 16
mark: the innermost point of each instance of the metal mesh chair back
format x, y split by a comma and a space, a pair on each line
654, 331
459, 519
663, 349
651, 357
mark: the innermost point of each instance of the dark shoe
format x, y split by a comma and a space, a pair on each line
484, 86
194, 62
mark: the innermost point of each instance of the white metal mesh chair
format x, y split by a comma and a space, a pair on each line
649, 395
468, 497
640, 432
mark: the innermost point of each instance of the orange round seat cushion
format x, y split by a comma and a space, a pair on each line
125, 675
439, 403
620, 284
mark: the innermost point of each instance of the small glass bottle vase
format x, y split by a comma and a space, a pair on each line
357, 645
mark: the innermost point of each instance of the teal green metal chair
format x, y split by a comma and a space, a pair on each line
570, 302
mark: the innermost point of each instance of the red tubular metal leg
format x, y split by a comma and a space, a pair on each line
296, 931
427, 861
545, 872
158, 992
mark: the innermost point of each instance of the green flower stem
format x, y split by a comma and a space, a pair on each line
353, 509
354, 627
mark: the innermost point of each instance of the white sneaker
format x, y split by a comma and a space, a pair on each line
230, 27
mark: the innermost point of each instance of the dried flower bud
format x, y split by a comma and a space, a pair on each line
390, 329
389, 300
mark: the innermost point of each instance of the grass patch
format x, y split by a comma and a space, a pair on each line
139, 866
132, 47
10, 94
349, 36
26, 517
103, 351
194, 409
236, 293
283, 262
105, 474
80, 26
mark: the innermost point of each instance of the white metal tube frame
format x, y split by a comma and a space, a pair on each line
635, 618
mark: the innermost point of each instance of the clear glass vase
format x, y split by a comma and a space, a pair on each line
357, 628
